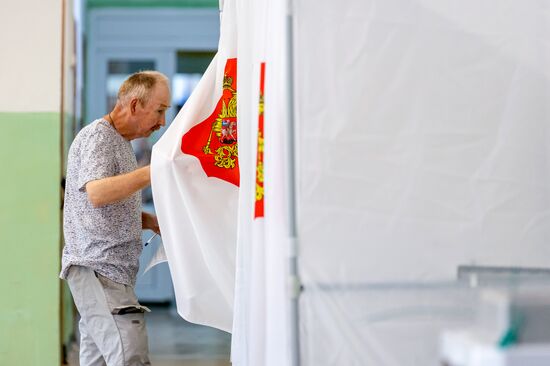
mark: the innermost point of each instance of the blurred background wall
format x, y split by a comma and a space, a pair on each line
62, 62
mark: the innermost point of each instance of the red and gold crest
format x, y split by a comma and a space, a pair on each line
214, 140
259, 206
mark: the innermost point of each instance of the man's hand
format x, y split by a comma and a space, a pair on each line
149, 222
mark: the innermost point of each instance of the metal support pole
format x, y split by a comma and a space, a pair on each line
294, 286
221, 3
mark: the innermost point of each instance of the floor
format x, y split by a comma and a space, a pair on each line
175, 342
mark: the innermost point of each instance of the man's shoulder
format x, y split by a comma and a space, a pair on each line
97, 130
99, 126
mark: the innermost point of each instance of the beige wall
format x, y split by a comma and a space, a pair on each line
30, 66
69, 58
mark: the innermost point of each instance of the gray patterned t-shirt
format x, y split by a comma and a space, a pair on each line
106, 239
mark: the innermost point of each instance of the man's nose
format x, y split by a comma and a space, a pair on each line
162, 121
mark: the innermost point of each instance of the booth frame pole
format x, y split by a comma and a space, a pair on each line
294, 287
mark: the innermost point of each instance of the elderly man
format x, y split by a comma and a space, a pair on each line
103, 223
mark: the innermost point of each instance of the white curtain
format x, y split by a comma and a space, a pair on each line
198, 212
423, 145
260, 333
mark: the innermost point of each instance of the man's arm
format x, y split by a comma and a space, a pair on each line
104, 191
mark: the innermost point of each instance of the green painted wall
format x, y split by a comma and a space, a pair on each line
30, 239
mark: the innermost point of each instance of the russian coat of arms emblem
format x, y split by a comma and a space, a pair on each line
214, 140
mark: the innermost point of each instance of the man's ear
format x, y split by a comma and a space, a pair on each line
133, 105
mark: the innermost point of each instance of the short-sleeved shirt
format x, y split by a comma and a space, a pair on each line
106, 239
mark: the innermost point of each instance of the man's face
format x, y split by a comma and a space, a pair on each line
152, 116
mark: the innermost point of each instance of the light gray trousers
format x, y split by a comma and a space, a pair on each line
112, 323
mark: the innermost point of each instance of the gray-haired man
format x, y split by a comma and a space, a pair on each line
103, 223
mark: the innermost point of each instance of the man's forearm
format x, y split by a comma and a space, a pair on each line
102, 192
